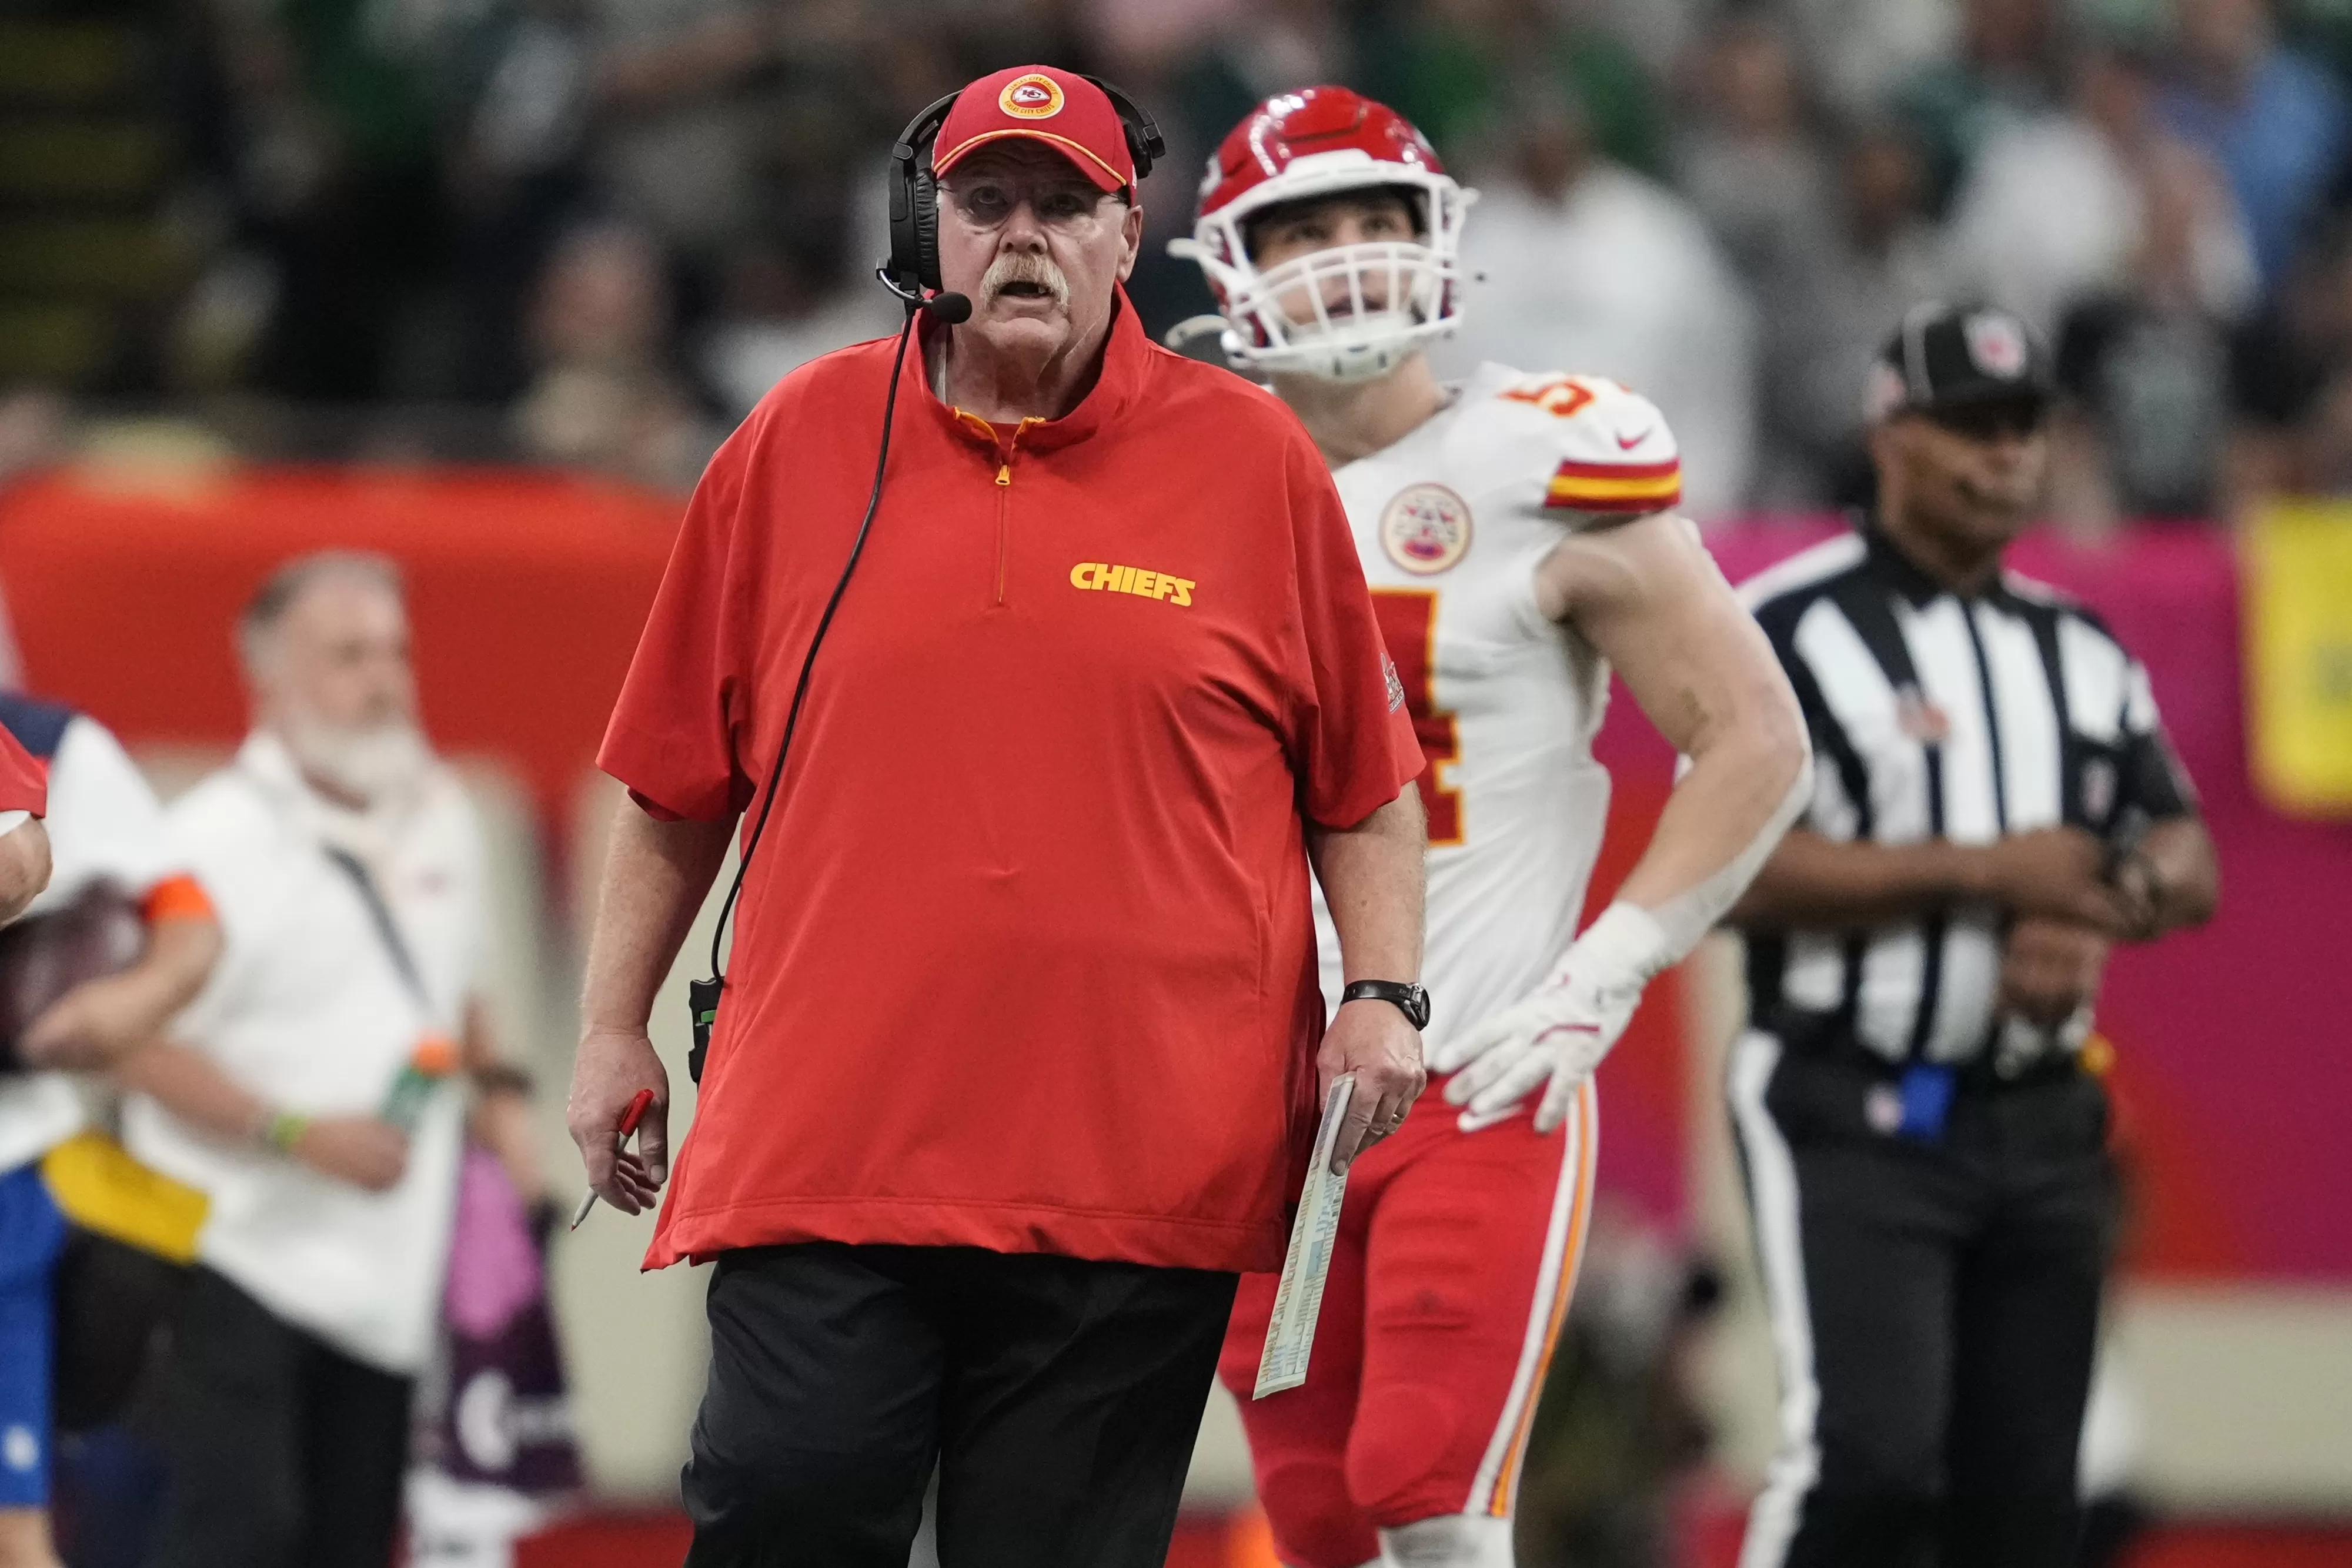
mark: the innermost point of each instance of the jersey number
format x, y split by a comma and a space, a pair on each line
1408, 618
1562, 397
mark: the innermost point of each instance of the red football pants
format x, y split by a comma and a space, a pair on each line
1456, 1256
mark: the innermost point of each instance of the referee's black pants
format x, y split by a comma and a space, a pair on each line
1059, 1398
1935, 1308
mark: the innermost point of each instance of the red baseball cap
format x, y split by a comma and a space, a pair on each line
1061, 109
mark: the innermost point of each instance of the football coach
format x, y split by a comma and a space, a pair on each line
1016, 1062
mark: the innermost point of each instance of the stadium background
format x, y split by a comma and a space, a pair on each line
481, 282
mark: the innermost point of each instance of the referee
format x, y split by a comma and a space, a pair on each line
1996, 803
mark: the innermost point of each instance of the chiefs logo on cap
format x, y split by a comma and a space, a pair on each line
1030, 97
1425, 528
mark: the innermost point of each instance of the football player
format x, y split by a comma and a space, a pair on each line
1519, 535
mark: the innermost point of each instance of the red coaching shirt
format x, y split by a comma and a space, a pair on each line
1026, 960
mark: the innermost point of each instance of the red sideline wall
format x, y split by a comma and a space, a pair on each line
527, 591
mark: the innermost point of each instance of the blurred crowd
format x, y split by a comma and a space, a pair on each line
619, 220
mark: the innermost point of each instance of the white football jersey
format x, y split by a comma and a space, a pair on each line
1452, 523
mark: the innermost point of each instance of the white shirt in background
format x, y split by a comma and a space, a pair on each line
1621, 280
105, 825
309, 1009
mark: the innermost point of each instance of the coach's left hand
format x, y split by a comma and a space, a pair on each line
1376, 1042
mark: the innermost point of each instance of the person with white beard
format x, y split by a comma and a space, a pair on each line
308, 1089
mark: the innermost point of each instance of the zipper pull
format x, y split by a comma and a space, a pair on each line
1004, 474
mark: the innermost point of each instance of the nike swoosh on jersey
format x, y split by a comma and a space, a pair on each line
1627, 444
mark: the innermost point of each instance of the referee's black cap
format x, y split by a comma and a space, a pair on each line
1946, 357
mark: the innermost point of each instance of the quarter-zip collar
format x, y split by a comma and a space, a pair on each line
1124, 355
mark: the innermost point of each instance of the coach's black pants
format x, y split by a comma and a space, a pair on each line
1059, 1397
279, 1451
1935, 1306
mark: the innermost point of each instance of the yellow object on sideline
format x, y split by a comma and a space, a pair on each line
96, 1184
2296, 572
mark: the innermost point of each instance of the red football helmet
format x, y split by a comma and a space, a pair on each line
1349, 312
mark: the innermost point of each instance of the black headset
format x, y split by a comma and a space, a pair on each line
913, 268
914, 265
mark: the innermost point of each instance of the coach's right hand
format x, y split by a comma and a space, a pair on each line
2057, 872
611, 1066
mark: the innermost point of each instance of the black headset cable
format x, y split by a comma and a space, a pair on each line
704, 994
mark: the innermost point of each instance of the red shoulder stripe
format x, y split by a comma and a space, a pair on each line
1573, 470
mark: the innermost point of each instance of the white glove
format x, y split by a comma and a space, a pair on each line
1560, 1030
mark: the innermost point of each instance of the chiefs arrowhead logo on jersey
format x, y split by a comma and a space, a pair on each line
1030, 97
1426, 528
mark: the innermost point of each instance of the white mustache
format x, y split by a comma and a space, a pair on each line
1022, 266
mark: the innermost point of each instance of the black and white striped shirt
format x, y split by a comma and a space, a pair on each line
1938, 717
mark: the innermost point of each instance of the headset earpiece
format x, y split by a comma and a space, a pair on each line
927, 223
914, 264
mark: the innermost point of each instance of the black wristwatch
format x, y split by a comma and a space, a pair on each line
1411, 999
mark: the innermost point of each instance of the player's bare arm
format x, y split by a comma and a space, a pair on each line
1648, 596
1372, 876
656, 874
24, 866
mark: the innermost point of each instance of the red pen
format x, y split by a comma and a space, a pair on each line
629, 1120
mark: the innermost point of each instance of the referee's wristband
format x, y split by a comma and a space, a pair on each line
283, 1131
